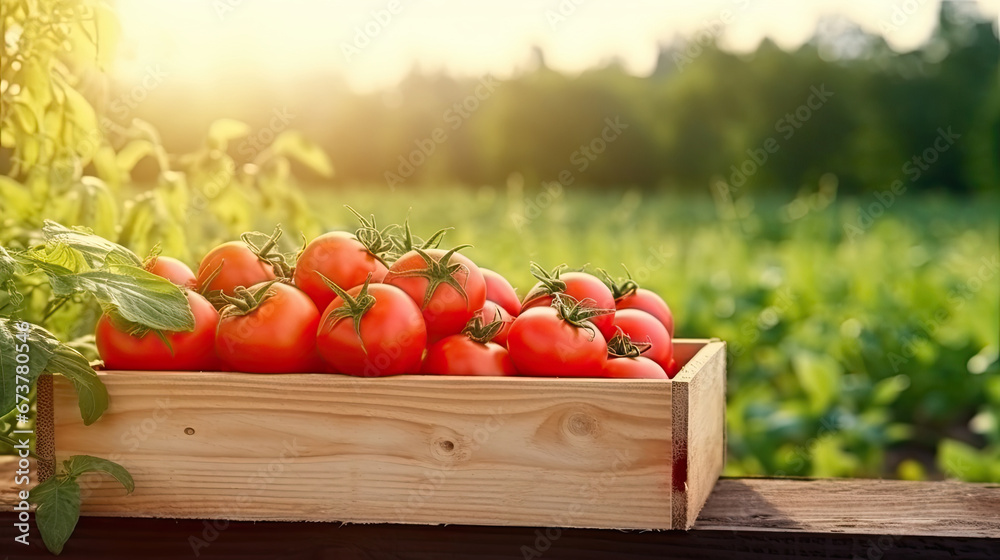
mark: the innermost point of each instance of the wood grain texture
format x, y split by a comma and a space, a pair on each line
699, 426
743, 519
407, 449
873, 507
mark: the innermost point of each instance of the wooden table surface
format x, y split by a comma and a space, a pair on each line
744, 518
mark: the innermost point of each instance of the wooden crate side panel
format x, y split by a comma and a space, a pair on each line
560, 452
699, 426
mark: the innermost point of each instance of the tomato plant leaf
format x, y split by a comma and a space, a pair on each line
132, 153
39, 346
8, 266
58, 501
132, 294
90, 390
82, 464
95, 250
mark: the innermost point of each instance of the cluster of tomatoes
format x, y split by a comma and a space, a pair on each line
384, 302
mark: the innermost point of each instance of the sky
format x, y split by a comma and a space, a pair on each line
375, 43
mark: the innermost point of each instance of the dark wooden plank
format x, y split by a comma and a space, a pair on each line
744, 518
102, 538
860, 506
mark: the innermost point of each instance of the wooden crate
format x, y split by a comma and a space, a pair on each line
603, 453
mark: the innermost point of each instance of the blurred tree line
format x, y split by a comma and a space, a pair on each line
703, 114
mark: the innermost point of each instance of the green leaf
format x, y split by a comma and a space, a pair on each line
15, 199
96, 206
295, 145
95, 250
106, 165
820, 377
8, 266
962, 461
132, 294
41, 346
58, 501
132, 153
90, 390
222, 131
82, 464
886, 391
35, 78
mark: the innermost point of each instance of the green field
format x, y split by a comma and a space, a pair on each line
868, 352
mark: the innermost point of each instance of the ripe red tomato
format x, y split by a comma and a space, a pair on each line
542, 342
448, 287
173, 270
459, 354
651, 303
499, 290
581, 286
642, 327
634, 368
278, 335
341, 258
376, 330
188, 351
233, 264
489, 313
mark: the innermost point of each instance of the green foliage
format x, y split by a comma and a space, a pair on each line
58, 499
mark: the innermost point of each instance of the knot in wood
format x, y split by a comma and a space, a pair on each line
581, 424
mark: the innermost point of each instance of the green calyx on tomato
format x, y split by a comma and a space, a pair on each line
354, 307
622, 346
548, 281
407, 242
578, 313
267, 251
245, 301
479, 331
437, 272
377, 241
621, 287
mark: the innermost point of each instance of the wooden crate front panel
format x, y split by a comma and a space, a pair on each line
412, 449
